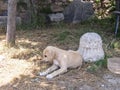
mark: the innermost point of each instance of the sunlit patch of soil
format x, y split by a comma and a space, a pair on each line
14, 68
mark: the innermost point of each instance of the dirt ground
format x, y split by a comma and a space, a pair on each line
20, 66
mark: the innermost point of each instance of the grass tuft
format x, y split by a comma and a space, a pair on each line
63, 35
96, 66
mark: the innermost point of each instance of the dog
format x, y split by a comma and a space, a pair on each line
61, 59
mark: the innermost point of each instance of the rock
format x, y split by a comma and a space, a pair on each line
56, 17
3, 20
3, 13
56, 8
3, 5
90, 47
114, 65
78, 11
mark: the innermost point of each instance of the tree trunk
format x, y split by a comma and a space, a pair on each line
11, 23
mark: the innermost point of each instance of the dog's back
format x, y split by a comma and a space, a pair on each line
74, 59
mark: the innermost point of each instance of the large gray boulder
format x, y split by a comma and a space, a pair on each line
78, 11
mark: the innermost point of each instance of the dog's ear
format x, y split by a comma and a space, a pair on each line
45, 51
52, 53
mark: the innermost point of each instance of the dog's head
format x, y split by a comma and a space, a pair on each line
48, 54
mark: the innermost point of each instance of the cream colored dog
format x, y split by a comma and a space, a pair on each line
61, 59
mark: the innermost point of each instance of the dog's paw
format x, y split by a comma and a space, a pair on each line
49, 76
43, 73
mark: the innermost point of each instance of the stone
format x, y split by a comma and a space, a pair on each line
56, 8
56, 17
3, 13
90, 47
78, 11
3, 20
114, 65
3, 5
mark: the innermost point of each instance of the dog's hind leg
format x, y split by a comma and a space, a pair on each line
49, 70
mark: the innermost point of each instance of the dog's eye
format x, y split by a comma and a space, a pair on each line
45, 55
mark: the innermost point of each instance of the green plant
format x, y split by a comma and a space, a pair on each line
63, 35
116, 45
96, 66
44, 9
39, 20
21, 5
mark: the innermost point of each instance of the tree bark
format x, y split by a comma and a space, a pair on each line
11, 23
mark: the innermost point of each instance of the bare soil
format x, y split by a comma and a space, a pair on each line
20, 65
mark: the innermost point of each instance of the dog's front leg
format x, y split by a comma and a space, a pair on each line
49, 70
55, 73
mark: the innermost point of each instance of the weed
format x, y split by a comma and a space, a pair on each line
63, 35
96, 66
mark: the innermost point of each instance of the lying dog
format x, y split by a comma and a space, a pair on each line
61, 59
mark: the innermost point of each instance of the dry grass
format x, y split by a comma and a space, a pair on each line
11, 69
20, 65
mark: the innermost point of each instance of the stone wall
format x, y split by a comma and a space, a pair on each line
23, 8
26, 9
55, 5
3, 13
3, 7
